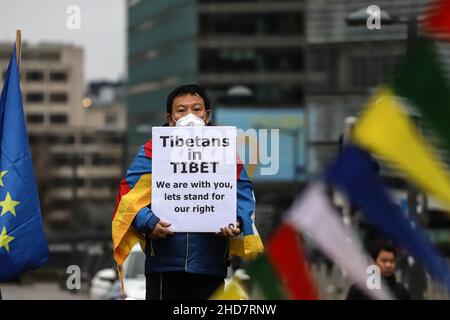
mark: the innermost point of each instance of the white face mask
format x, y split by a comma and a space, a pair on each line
190, 120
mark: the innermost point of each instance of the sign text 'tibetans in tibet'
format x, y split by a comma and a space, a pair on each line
194, 177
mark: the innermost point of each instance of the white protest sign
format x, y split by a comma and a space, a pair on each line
194, 177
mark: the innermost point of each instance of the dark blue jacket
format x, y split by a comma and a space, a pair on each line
202, 253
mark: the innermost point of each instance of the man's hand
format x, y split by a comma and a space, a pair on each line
160, 231
230, 231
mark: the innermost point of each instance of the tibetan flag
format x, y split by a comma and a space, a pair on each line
438, 19
353, 174
385, 130
313, 215
282, 272
23, 245
424, 83
134, 194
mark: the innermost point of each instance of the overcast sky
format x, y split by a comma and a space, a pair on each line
102, 33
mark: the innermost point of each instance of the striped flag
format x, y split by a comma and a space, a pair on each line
283, 272
353, 174
313, 215
385, 130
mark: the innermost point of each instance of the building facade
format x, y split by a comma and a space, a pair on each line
255, 45
345, 64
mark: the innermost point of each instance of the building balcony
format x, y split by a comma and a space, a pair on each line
252, 77
251, 7
251, 41
82, 193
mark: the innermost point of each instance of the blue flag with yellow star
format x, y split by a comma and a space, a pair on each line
22, 241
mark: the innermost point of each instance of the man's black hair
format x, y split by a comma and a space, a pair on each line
187, 89
382, 246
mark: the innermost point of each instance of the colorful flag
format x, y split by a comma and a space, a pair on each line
438, 18
282, 272
423, 81
233, 291
266, 278
313, 215
353, 174
285, 252
134, 194
22, 241
385, 129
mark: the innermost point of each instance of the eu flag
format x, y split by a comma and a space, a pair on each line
22, 241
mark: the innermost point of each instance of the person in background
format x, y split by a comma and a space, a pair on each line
383, 255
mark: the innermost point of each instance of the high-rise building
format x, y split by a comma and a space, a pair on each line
344, 63
245, 52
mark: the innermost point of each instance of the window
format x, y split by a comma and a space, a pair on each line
111, 119
369, 71
35, 118
58, 118
251, 60
87, 139
64, 159
35, 76
104, 182
35, 97
104, 160
58, 97
67, 182
36, 139
283, 24
61, 204
51, 139
58, 76
114, 139
42, 56
262, 94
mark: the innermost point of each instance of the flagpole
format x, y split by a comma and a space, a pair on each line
18, 46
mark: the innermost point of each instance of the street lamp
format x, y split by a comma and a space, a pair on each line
360, 17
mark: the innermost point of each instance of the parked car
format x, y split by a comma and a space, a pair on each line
106, 284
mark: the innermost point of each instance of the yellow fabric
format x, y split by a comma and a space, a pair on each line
247, 247
234, 291
386, 130
125, 237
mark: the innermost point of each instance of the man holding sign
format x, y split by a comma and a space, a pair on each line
194, 178
188, 201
